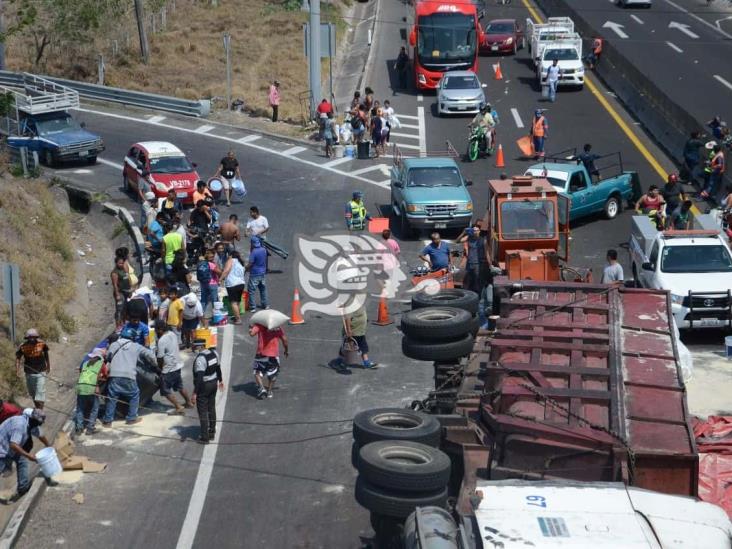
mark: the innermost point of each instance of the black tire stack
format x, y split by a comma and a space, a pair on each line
395, 451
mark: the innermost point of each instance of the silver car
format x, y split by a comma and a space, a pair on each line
460, 92
632, 3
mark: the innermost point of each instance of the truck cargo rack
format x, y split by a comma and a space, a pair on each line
40, 96
449, 152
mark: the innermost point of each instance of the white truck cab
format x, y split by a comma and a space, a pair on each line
695, 266
568, 52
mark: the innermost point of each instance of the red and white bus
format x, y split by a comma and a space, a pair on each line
444, 37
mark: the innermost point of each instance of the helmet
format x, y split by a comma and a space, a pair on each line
485, 108
537, 112
673, 178
32, 333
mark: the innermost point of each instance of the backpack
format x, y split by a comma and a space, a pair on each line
356, 122
203, 272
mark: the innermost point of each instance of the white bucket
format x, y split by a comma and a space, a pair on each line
48, 461
240, 191
338, 151
728, 347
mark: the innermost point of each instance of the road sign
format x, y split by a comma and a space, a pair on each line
327, 39
11, 283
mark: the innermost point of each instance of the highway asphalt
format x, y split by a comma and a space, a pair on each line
267, 489
684, 46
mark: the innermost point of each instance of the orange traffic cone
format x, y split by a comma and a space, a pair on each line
244, 302
383, 317
497, 71
296, 316
500, 162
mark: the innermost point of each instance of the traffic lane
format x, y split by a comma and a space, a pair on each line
680, 55
717, 16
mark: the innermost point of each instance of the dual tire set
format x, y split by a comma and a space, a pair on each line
440, 327
395, 451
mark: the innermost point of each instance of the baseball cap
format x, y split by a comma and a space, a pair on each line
256, 241
710, 145
32, 333
97, 353
35, 413
149, 195
357, 194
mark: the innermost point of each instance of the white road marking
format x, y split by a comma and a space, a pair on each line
109, 163
410, 136
700, 19
337, 161
372, 168
517, 117
722, 81
674, 47
683, 28
415, 147
155, 119
617, 28
412, 126
83, 171
422, 130
637, 19
410, 116
294, 150
204, 129
245, 141
248, 138
205, 469
420, 98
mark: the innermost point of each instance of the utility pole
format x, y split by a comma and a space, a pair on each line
314, 59
2, 31
140, 15
227, 53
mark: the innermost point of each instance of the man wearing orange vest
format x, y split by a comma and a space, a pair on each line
596, 52
539, 128
717, 167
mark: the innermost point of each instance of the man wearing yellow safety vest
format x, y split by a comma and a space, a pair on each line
356, 214
539, 129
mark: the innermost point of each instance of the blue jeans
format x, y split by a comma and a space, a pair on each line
257, 281
124, 389
485, 305
209, 294
90, 405
553, 91
23, 466
539, 145
712, 185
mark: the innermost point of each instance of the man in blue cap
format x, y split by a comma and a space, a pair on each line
539, 129
356, 214
257, 269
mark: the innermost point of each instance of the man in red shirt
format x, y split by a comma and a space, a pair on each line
267, 360
323, 110
8, 410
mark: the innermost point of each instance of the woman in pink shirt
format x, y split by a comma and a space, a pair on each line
274, 99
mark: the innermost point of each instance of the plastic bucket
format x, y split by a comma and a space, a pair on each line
338, 151
238, 188
216, 186
49, 463
349, 151
203, 333
728, 347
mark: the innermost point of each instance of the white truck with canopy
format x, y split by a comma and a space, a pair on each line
695, 266
538, 35
567, 50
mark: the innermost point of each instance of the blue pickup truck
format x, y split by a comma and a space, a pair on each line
37, 118
590, 195
429, 193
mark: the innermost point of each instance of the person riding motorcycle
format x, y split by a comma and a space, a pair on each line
486, 124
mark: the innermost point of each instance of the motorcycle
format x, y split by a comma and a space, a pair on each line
480, 141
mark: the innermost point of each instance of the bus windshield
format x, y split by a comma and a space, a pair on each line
446, 40
527, 219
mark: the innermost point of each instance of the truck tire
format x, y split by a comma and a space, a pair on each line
404, 466
396, 424
613, 206
48, 158
447, 297
393, 503
419, 349
437, 323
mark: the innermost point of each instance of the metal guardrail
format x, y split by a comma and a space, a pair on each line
199, 108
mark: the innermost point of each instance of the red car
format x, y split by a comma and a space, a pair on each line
502, 36
167, 165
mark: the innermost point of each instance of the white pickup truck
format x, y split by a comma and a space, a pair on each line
695, 266
539, 35
568, 52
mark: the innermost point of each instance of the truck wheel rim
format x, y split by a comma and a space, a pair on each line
612, 208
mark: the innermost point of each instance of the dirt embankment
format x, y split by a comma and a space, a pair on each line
186, 51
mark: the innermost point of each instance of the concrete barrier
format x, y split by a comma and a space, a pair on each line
669, 123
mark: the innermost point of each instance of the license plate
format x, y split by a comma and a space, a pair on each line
181, 195
440, 225
494, 48
709, 322
84, 153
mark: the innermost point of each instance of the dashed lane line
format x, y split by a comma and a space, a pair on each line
674, 47
294, 150
204, 129
637, 19
155, 119
517, 117
246, 141
422, 134
722, 81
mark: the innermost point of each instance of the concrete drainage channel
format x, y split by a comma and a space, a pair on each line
669, 123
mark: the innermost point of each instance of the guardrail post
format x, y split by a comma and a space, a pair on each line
24, 160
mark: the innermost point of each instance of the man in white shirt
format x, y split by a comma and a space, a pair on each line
257, 224
552, 78
170, 363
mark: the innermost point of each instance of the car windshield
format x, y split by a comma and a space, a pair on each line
499, 28
696, 259
445, 38
57, 125
561, 54
527, 219
170, 164
434, 177
460, 83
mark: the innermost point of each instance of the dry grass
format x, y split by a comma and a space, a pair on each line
36, 236
187, 60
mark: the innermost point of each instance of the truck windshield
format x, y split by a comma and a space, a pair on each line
57, 125
561, 54
695, 259
434, 177
527, 219
446, 39
170, 164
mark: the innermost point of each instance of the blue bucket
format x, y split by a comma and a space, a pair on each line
350, 151
728, 347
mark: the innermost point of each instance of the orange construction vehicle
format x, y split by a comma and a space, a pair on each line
527, 223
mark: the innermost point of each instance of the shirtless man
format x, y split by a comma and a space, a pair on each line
230, 232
